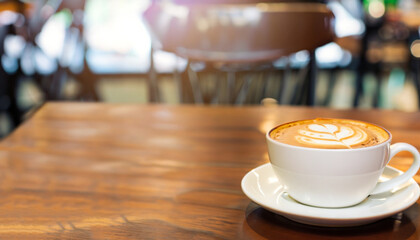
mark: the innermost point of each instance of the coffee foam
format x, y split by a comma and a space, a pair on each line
330, 133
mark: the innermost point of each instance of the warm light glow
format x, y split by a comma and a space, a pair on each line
376, 9
202, 24
263, 6
415, 48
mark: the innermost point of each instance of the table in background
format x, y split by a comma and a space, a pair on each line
109, 171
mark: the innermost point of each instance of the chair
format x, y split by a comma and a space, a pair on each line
8, 98
31, 62
236, 36
9, 76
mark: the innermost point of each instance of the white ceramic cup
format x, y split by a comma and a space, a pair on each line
336, 177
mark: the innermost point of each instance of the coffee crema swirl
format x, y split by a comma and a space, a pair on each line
330, 133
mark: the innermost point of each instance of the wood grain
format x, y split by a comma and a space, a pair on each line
116, 171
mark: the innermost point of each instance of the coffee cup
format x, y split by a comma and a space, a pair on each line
335, 162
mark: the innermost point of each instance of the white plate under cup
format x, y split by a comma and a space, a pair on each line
263, 187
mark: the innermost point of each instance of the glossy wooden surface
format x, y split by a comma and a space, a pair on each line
103, 171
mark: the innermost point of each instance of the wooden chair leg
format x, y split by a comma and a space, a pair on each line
243, 92
231, 81
305, 91
13, 109
197, 94
361, 69
216, 96
152, 81
89, 82
285, 81
332, 81
178, 82
377, 96
299, 89
358, 88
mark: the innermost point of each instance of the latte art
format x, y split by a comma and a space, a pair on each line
330, 133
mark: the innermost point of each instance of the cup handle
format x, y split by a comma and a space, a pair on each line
406, 176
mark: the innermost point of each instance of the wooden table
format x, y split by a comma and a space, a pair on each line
105, 171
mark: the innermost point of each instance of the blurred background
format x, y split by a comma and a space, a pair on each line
332, 53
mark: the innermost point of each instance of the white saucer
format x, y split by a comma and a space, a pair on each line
262, 186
